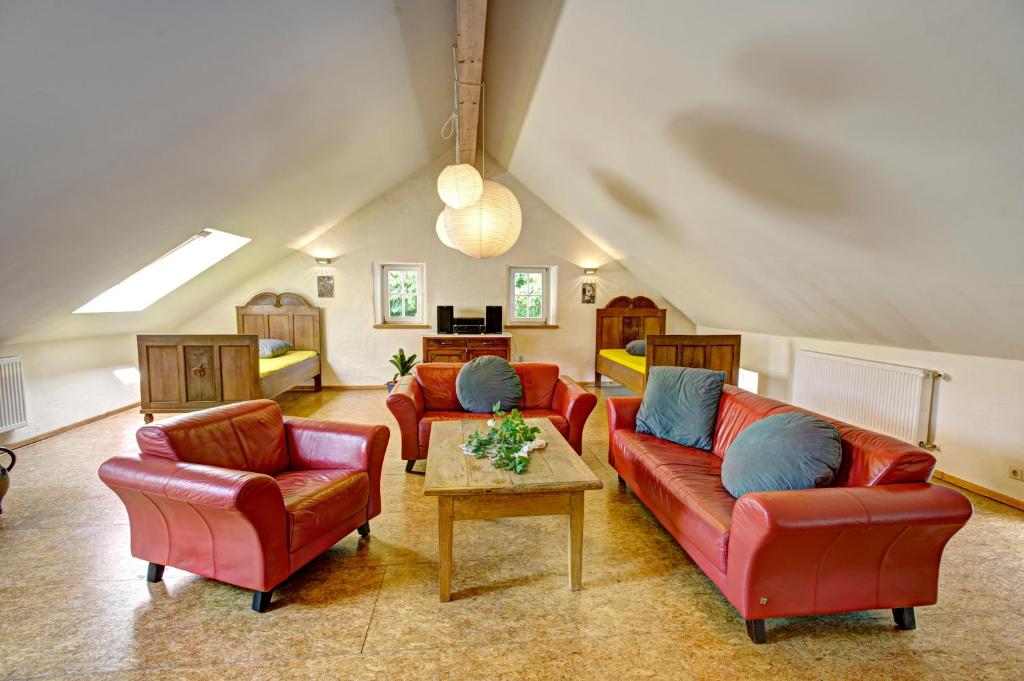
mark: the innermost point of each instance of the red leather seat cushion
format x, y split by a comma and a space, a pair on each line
429, 417
686, 485
319, 499
247, 436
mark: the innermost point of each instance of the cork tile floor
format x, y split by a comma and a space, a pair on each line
74, 603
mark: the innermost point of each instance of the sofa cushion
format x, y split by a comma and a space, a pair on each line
539, 381
685, 485
317, 501
782, 452
487, 381
437, 381
680, 404
244, 436
557, 420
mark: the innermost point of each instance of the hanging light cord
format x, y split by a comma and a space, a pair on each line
450, 127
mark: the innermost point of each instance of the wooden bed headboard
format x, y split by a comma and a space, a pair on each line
627, 319
286, 316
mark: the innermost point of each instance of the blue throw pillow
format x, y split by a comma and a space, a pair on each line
273, 347
782, 451
485, 381
681, 405
637, 347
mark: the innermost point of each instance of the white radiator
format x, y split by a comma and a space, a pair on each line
887, 398
12, 394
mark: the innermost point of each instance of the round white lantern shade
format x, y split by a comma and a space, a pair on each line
489, 227
441, 233
460, 185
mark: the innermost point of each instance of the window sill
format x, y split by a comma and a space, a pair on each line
531, 326
402, 326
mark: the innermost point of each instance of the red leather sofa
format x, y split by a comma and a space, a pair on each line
238, 494
428, 395
873, 540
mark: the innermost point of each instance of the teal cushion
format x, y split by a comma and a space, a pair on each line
274, 347
782, 451
485, 381
681, 405
637, 347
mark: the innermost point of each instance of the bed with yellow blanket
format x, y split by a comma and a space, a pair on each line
186, 372
626, 319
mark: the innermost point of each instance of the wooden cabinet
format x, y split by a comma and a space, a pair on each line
464, 348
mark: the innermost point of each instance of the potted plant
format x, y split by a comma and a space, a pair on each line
404, 366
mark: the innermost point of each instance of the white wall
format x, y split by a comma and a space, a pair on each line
71, 380
398, 226
980, 411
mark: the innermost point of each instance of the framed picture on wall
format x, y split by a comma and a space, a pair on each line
325, 286
589, 293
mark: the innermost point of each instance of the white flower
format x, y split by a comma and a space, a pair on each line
490, 423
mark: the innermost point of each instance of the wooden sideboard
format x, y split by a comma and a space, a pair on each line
462, 348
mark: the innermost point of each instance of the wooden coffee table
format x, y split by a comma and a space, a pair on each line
468, 488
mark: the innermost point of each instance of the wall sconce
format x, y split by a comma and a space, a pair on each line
588, 291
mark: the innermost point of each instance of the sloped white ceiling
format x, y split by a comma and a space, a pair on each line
835, 169
126, 126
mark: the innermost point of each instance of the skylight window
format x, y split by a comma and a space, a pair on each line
166, 273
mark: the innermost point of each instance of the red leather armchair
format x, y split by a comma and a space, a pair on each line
238, 494
428, 395
873, 540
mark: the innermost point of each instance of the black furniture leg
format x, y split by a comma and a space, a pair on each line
904, 618
155, 573
261, 600
318, 383
755, 630
364, 529
622, 483
409, 464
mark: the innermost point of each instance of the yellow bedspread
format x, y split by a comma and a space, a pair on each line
634, 362
272, 364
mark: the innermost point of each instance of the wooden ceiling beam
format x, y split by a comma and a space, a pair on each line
469, 54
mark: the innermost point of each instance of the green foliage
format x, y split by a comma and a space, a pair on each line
504, 443
402, 363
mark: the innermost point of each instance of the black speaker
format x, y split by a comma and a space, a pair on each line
445, 315
493, 324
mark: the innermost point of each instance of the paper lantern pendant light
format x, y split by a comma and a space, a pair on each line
460, 185
441, 233
489, 227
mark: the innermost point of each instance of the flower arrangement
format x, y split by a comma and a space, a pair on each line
507, 442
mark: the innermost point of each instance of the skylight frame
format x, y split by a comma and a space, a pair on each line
170, 271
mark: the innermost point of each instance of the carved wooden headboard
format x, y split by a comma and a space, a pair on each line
626, 319
286, 316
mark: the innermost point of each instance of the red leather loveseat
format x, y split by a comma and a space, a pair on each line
238, 494
873, 540
428, 395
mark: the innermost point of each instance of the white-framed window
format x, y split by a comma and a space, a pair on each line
531, 294
400, 293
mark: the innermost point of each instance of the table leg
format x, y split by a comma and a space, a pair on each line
445, 513
575, 540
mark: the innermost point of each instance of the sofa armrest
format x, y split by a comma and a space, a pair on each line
316, 444
837, 549
622, 413
575, 404
407, 406
221, 523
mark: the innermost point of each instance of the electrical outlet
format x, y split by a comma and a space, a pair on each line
1017, 473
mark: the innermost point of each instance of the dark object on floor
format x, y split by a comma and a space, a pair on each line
5, 480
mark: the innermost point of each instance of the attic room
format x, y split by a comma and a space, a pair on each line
569, 339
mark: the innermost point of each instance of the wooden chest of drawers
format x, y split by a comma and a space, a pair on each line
464, 348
